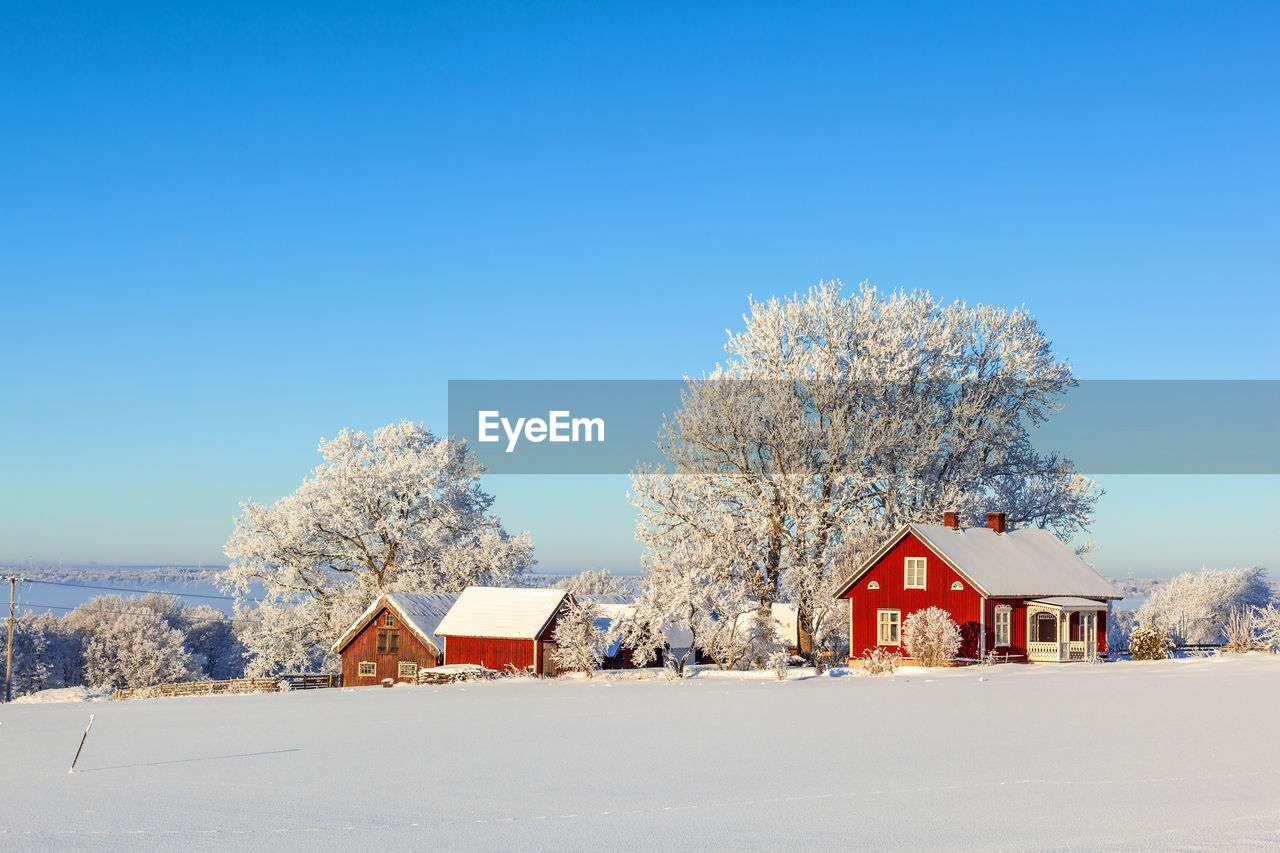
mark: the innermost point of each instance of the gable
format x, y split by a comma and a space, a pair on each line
883, 582
419, 613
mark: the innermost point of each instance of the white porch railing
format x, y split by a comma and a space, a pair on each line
1056, 651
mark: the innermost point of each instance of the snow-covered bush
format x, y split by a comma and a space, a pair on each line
1195, 607
1240, 629
779, 662
880, 661
579, 639
931, 636
1150, 643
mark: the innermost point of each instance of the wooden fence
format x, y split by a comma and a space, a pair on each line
295, 681
200, 688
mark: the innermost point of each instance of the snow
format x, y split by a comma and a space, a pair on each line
1134, 756
65, 694
423, 612
513, 613
1070, 603
1023, 563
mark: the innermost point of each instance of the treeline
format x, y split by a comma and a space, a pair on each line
115, 642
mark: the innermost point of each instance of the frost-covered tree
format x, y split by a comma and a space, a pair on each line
1120, 624
211, 640
595, 583
931, 636
695, 592
129, 642
1196, 607
398, 510
579, 638
837, 418
46, 654
1266, 626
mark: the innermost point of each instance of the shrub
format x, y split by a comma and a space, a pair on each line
931, 636
1150, 643
880, 661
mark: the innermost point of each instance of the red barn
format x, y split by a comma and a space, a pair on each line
1022, 594
500, 626
394, 638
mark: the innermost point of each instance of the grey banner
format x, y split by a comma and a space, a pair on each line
1104, 426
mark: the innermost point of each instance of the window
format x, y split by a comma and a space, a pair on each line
957, 586
873, 585
1002, 625
889, 621
386, 620
368, 667
408, 669
388, 642
914, 573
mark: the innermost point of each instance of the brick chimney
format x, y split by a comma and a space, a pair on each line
995, 521
951, 520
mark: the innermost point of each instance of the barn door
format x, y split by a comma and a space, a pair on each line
547, 667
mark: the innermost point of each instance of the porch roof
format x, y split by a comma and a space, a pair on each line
1067, 602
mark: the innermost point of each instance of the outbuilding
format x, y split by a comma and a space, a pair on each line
394, 638
1021, 594
501, 627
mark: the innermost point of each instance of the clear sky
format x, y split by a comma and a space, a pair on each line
229, 230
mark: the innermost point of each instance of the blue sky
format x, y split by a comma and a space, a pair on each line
228, 231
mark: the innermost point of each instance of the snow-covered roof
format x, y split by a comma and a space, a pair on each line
1025, 563
1067, 602
508, 612
421, 613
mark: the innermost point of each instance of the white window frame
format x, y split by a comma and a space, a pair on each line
918, 565
873, 585
1007, 612
373, 669
406, 664
881, 623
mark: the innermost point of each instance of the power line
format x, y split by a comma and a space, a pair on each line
150, 615
145, 591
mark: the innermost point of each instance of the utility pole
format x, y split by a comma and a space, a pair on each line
8, 655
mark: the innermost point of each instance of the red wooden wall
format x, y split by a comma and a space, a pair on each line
1017, 647
964, 605
497, 652
492, 652
365, 648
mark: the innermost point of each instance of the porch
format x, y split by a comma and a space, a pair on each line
1062, 629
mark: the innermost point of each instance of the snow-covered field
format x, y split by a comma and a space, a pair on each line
1177, 754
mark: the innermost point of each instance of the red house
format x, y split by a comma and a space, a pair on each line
394, 638
1022, 594
500, 626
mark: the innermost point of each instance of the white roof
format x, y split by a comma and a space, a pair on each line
1025, 563
421, 612
508, 612
1070, 603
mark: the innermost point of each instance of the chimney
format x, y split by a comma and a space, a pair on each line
950, 520
995, 521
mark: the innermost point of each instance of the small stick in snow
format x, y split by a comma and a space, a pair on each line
81, 746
